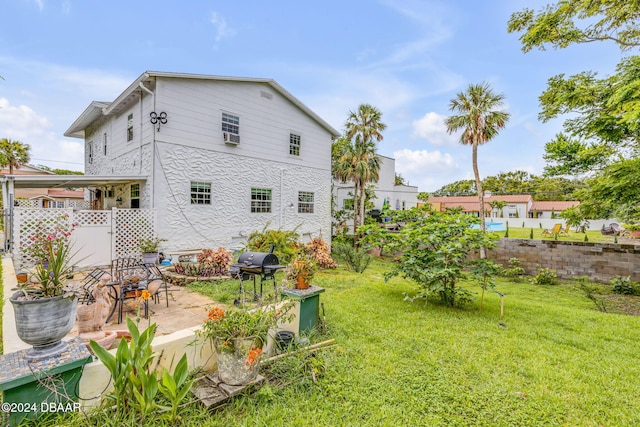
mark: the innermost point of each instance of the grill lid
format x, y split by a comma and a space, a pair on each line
257, 259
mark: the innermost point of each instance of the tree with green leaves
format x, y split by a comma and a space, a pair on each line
356, 156
601, 137
13, 154
464, 187
423, 196
476, 113
434, 252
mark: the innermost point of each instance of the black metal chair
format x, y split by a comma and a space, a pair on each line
156, 274
88, 285
131, 281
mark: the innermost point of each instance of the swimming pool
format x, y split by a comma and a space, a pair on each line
491, 226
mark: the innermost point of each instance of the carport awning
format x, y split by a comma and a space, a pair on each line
69, 181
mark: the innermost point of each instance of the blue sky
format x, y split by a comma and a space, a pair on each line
407, 58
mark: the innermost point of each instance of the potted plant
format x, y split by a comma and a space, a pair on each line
238, 337
150, 249
301, 271
45, 308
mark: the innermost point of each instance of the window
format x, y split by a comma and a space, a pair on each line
347, 204
135, 196
230, 123
305, 202
260, 200
104, 143
294, 144
90, 151
130, 127
200, 193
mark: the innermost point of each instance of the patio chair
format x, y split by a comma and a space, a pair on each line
89, 283
156, 278
552, 232
565, 232
129, 282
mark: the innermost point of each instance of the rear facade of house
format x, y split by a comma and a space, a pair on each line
218, 157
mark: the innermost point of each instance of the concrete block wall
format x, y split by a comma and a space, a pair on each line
599, 261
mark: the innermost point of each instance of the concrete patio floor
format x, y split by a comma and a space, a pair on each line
186, 310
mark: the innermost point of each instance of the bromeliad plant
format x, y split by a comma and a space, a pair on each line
52, 252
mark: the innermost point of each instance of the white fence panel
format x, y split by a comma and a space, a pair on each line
92, 238
98, 238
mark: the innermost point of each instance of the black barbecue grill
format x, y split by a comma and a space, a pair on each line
252, 264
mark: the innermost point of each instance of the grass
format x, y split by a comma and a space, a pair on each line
523, 233
552, 360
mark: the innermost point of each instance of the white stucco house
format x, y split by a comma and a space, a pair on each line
399, 197
217, 157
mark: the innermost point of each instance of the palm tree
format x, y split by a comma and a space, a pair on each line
13, 154
498, 205
480, 121
359, 161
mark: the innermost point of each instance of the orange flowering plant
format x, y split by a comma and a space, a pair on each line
223, 327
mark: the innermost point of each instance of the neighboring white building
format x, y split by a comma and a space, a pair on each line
399, 197
218, 157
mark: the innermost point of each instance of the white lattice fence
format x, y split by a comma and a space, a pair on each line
26, 203
28, 223
79, 204
130, 226
92, 218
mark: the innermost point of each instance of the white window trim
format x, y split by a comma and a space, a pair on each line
293, 156
270, 190
191, 182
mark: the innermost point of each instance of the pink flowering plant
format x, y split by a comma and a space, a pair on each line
51, 252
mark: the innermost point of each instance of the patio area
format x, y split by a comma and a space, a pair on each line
186, 310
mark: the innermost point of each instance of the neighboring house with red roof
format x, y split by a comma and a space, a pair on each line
547, 209
517, 205
44, 197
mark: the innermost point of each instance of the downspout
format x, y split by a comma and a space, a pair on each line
153, 144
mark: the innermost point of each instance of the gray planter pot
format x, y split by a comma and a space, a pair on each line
150, 257
43, 323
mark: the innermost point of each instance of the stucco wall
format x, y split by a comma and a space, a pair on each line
228, 220
598, 261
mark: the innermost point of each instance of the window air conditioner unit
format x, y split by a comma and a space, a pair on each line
231, 138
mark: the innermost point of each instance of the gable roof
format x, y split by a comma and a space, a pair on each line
557, 206
96, 109
509, 198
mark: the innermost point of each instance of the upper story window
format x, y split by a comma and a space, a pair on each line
104, 143
130, 127
260, 200
200, 193
90, 152
294, 144
230, 123
305, 202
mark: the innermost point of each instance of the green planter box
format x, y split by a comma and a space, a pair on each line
309, 306
25, 398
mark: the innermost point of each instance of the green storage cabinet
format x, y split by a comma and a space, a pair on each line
22, 390
309, 306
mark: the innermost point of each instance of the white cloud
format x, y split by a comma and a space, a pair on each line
22, 123
40, 4
222, 29
433, 129
429, 170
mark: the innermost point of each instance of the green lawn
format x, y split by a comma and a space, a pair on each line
524, 233
553, 360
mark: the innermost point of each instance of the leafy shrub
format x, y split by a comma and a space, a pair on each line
320, 253
356, 259
545, 276
285, 243
515, 269
624, 286
435, 251
218, 260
